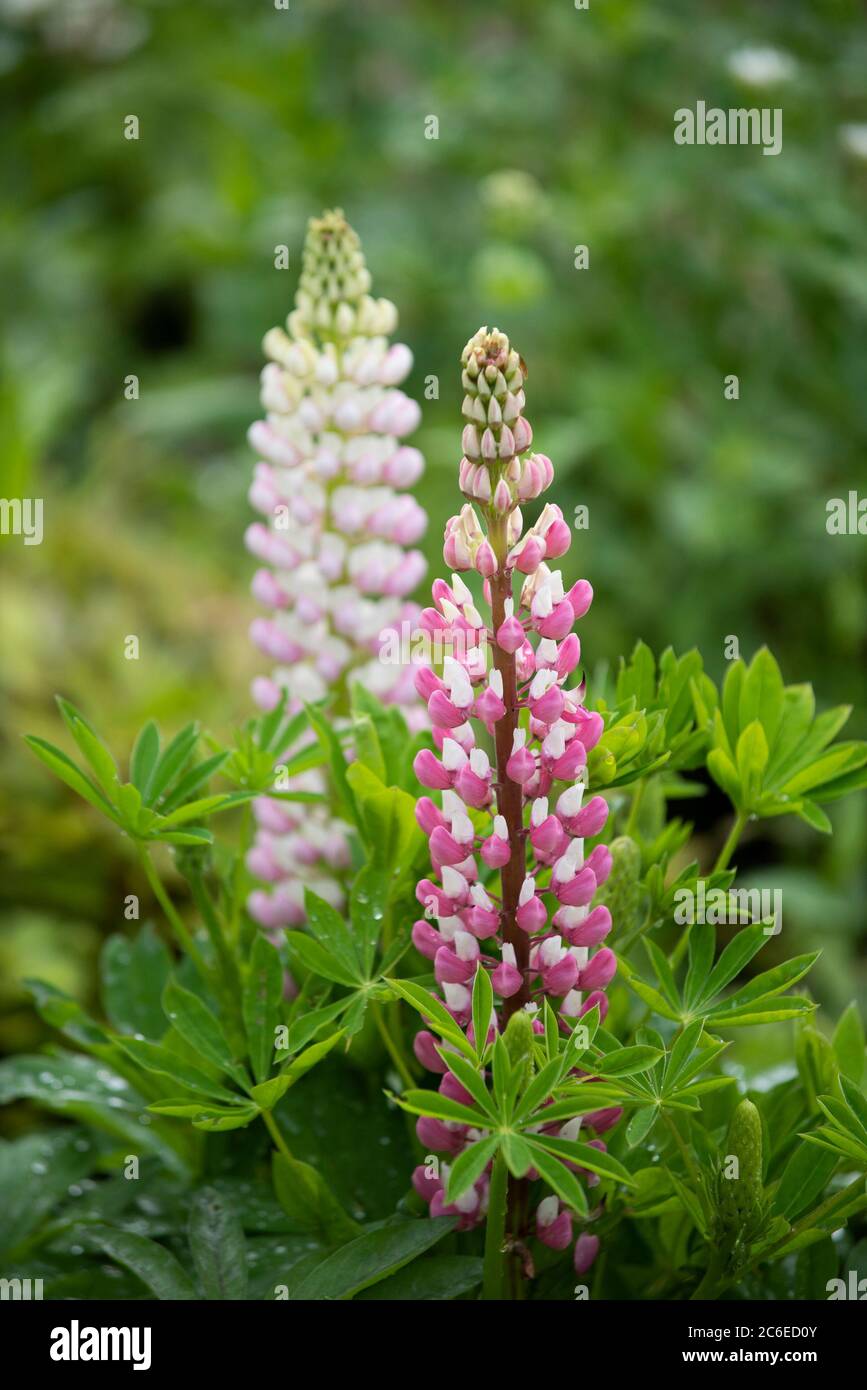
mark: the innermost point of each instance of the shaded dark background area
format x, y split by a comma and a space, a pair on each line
155, 257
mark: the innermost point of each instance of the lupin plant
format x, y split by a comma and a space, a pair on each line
575, 1125
337, 569
512, 890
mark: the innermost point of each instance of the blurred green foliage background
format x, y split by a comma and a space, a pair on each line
156, 257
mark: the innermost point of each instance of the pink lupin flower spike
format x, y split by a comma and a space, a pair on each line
513, 896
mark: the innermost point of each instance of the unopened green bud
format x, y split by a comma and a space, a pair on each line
601, 766
332, 300
621, 890
497, 433
518, 1037
740, 1183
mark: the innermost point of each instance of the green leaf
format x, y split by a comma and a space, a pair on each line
64, 768
843, 758
752, 759
768, 984
386, 818
145, 754
134, 974
320, 961
205, 806
69, 1018
206, 1115
682, 1051
368, 749
171, 761
738, 953
218, 1246
724, 773
646, 992
199, 1027
483, 1004
772, 1010
368, 905
306, 1060
308, 1025
470, 1079
586, 1157
799, 709
804, 1177
730, 704
517, 1154
469, 1165
196, 777
428, 1279
626, 1061
85, 1089
330, 744
155, 1266
94, 750
664, 972
815, 1267
701, 946
308, 1201
855, 1101
848, 1043
690, 1201
641, 1124
814, 816
161, 1060
391, 729
761, 695
332, 933
36, 1171
540, 1088
263, 992
371, 1257
440, 1107
435, 1013
559, 1178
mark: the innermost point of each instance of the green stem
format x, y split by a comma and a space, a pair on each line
708, 1288
279, 1142
680, 948
635, 808
728, 848
214, 928
392, 1048
495, 1231
228, 975
185, 941
686, 1156
240, 876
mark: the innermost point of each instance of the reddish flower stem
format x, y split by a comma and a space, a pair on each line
509, 793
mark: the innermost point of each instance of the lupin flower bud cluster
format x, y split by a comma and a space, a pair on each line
334, 545
511, 890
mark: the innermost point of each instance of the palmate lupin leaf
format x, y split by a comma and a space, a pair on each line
526, 1076
155, 803
762, 1000
845, 1130
771, 755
